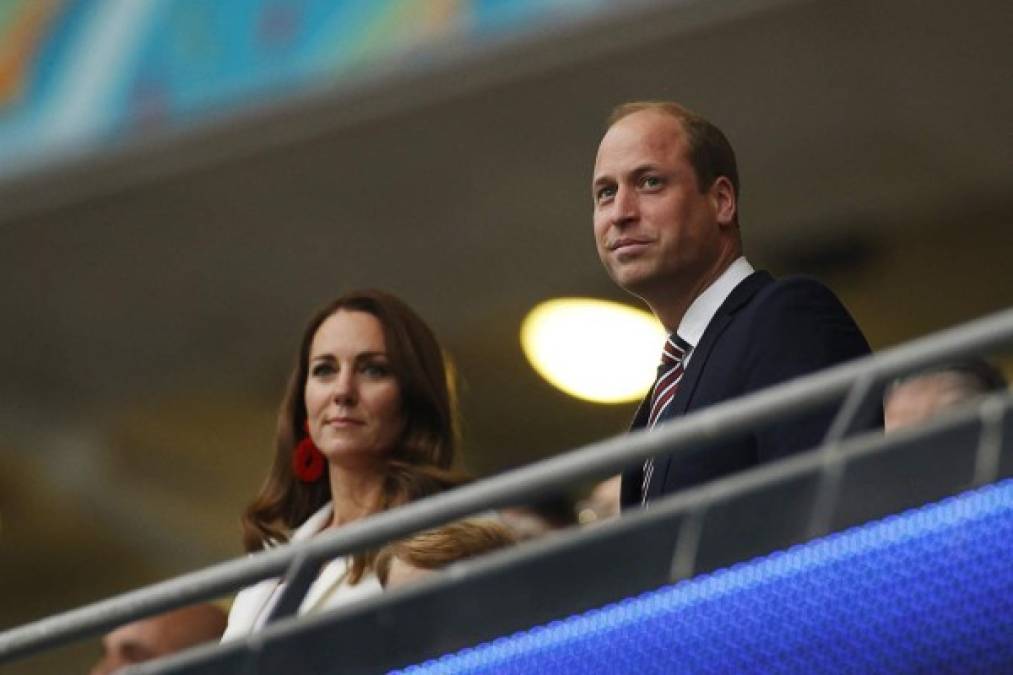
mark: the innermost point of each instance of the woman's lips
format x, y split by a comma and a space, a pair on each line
344, 422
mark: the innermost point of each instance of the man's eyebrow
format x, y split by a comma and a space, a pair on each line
137, 649
644, 168
638, 171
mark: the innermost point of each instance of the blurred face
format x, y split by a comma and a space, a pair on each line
922, 398
133, 643
353, 400
652, 225
157, 636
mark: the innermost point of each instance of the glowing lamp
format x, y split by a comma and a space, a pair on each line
596, 350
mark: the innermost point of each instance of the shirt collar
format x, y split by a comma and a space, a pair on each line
706, 305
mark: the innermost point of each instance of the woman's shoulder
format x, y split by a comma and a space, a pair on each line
246, 607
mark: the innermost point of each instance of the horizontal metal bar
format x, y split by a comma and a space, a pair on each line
381, 611
595, 460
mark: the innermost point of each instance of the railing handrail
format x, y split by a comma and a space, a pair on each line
594, 460
683, 512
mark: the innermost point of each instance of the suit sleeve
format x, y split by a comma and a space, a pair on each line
801, 328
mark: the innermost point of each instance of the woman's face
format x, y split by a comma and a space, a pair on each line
353, 400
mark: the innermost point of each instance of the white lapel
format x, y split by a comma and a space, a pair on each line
253, 604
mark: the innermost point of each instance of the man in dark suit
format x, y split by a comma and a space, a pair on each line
665, 190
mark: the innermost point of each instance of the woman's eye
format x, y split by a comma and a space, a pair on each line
321, 369
375, 369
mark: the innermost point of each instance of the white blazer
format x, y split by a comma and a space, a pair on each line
331, 588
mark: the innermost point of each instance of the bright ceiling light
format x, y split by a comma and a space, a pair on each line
593, 349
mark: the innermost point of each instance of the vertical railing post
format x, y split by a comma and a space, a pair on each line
687, 544
298, 578
856, 403
986, 460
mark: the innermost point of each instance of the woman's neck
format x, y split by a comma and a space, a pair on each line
355, 492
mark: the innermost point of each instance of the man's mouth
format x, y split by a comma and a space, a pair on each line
627, 243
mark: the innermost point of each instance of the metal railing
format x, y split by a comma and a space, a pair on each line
852, 380
733, 519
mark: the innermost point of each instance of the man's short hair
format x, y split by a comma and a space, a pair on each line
439, 547
710, 153
976, 376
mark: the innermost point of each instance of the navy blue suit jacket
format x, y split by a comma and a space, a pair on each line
766, 332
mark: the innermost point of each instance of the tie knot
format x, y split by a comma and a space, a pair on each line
674, 352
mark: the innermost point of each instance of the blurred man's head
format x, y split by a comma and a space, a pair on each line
404, 561
919, 397
602, 503
539, 518
159, 635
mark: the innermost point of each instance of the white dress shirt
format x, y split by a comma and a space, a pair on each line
702, 310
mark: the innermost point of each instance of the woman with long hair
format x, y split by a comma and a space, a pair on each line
368, 422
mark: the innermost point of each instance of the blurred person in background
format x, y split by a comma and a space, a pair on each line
921, 396
541, 517
159, 635
665, 195
368, 422
407, 560
602, 503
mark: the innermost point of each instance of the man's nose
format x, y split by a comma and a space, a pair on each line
625, 207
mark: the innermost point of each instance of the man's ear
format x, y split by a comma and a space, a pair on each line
722, 194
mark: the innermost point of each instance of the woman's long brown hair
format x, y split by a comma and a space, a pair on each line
421, 462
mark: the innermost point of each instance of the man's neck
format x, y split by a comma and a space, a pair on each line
670, 304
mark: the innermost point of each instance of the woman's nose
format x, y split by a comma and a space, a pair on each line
344, 387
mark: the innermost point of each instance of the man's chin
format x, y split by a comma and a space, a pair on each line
631, 280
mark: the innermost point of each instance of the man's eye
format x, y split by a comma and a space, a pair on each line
604, 194
650, 182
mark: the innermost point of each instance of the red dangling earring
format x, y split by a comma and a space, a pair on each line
307, 460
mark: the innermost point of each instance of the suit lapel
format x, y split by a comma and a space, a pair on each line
739, 296
630, 486
265, 595
643, 410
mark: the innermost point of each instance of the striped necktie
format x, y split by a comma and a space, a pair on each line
669, 375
